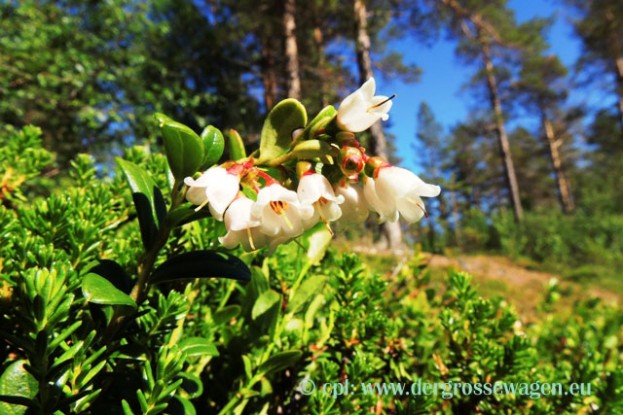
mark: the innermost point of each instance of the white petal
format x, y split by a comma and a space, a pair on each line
331, 212
411, 208
386, 208
361, 109
222, 193
238, 215
354, 208
314, 186
310, 188
196, 195
271, 222
382, 109
368, 88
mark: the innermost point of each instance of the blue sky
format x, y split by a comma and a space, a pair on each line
443, 76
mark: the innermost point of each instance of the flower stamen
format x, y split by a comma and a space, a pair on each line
251, 239
201, 206
381, 103
280, 207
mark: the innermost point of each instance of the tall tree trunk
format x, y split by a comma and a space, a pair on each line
619, 76
505, 151
378, 144
458, 235
269, 77
615, 50
321, 70
564, 189
293, 81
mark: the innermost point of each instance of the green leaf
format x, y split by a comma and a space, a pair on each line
99, 290
264, 303
311, 149
286, 117
236, 146
280, 361
198, 346
148, 200
184, 148
317, 241
304, 293
192, 385
201, 264
113, 272
319, 123
17, 389
213, 146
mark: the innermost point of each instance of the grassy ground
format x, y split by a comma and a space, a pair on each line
522, 284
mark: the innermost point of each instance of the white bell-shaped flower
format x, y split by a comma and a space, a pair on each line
281, 214
385, 207
405, 189
242, 227
216, 187
361, 109
314, 189
354, 209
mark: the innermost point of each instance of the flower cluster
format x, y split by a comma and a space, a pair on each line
263, 208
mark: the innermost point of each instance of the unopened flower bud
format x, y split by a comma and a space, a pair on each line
351, 161
343, 136
372, 165
303, 167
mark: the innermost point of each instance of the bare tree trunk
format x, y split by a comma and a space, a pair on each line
619, 76
293, 81
615, 48
321, 71
564, 189
269, 78
505, 151
378, 144
458, 236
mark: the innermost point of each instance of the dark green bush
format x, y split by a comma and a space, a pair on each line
222, 346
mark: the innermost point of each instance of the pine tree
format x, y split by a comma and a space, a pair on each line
293, 80
487, 30
428, 148
541, 88
600, 26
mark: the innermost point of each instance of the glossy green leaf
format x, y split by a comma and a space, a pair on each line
236, 146
99, 290
183, 147
198, 346
201, 264
265, 302
280, 361
311, 149
317, 241
148, 200
113, 272
286, 117
17, 388
319, 123
213, 146
310, 287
